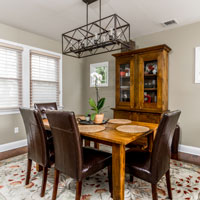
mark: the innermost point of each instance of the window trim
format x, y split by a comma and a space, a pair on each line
26, 74
57, 82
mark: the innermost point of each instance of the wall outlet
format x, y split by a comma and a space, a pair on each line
16, 130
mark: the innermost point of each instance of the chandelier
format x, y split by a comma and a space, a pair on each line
107, 34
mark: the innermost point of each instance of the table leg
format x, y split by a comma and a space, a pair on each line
150, 141
96, 145
118, 171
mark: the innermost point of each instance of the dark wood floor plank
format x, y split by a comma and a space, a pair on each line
13, 152
190, 158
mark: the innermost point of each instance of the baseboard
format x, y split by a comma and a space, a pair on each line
189, 149
22, 143
13, 145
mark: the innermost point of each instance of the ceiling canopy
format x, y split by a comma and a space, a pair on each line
51, 18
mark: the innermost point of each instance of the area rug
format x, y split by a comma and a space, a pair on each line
185, 179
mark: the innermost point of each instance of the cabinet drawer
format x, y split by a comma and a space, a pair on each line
149, 117
122, 115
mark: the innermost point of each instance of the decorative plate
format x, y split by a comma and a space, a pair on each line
132, 129
119, 121
90, 128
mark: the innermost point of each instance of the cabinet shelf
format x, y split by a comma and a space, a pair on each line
150, 75
123, 77
150, 89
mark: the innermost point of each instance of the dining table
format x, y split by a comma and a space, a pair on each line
118, 141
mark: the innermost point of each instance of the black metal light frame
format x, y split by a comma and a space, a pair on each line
104, 35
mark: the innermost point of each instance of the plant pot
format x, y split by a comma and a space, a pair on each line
99, 118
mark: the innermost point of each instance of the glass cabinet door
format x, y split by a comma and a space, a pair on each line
124, 82
150, 81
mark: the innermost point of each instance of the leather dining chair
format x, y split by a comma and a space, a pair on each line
151, 166
42, 107
71, 158
38, 144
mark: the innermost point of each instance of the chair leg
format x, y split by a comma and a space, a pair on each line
96, 145
168, 184
55, 185
44, 181
78, 190
110, 179
87, 143
131, 178
28, 173
154, 191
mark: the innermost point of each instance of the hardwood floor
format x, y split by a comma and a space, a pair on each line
12, 153
194, 159
185, 157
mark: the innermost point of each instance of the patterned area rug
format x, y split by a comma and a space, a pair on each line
185, 179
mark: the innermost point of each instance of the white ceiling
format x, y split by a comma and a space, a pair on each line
51, 18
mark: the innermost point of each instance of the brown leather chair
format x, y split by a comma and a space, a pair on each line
142, 143
70, 157
42, 107
152, 166
175, 142
38, 144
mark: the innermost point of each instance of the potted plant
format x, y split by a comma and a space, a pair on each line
97, 116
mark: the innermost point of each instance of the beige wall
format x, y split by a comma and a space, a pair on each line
108, 92
183, 93
71, 85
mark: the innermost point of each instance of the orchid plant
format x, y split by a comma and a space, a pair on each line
98, 105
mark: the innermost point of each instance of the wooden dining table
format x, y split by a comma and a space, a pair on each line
118, 140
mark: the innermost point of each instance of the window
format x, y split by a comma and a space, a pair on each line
100, 70
10, 77
28, 75
44, 79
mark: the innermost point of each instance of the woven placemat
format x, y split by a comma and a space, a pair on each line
132, 129
90, 128
119, 121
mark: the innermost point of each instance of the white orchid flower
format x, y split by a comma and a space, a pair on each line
100, 77
94, 74
98, 82
96, 78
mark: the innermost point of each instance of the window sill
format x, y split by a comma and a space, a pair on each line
9, 112
60, 107
16, 111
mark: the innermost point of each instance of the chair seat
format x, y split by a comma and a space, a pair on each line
138, 164
94, 160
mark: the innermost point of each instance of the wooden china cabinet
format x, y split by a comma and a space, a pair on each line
142, 84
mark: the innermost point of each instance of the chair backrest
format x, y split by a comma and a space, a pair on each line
36, 137
161, 152
42, 107
67, 143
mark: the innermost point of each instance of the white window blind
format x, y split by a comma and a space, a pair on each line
44, 78
10, 77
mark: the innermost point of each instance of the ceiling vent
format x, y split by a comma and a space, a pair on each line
170, 22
